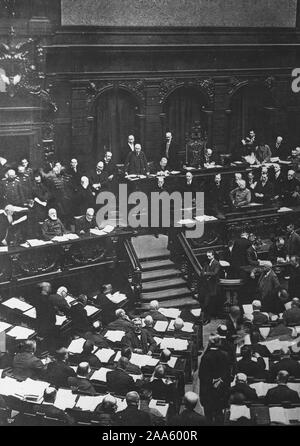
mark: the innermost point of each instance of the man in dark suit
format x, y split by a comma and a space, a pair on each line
58, 300
239, 252
59, 371
87, 355
136, 162
45, 312
86, 222
119, 381
278, 182
248, 366
291, 193
130, 368
279, 149
99, 179
75, 173
139, 340
293, 241
80, 382
211, 273
26, 364
259, 318
233, 322
189, 417
292, 316
122, 322
242, 392
252, 257
162, 388
163, 167
132, 416
281, 392
48, 408
129, 147
80, 322
84, 197
294, 282
169, 151
286, 363
107, 306
154, 313
109, 166
268, 287
217, 197
264, 190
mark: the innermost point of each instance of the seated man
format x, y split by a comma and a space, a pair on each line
259, 318
26, 364
263, 153
241, 196
263, 191
189, 417
122, 322
119, 381
281, 392
291, 191
106, 411
163, 168
52, 226
286, 363
130, 368
132, 416
59, 371
87, 355
279, 182
86, 222
154, 313
138, 339
96, 337
59, 302
81, 383
242, 392
161, 387
248, 366
292, 316
149, 325
99, 178
50, 410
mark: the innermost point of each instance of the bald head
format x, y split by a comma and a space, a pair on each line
178, 323
120, 313
256, 304
109, 403
154, 305
148, 321
132, 399
190, 400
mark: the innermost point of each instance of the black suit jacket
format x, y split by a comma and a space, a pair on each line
290, 365
132, 416
211, 274
252, 368
120, 382
189, 418
145, 344
172, 154
293, 244
81, 385
259, 318
54, 412
281, 393
239, 252
252, 257
244, 391
58, 373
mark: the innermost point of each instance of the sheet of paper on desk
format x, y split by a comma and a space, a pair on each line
30, 313
196, 312
278, 415
69, 299
163, 409
3, 249
105, 354
20, 332
90, 309
143, 360
33, 387
60, 238
161, 326
176, 344
114, 335
121, 404
108, 228
284, 209
4, 326
248, 309
188, 327
293, 414
172, 313
76, 345
89, 403
273, 345
16, 303
97, 231
172, 362
36, 242
8, 386
100, 374
237, 412
60, 320
65, 399
117, 297
71, 236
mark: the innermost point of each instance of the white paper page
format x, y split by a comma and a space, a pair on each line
161, 326
65, 399
288, 305
121, 403
143, 360
196, 312
105, 354
114, 335
16, 303
4, 326
20, 332
277, 414
3, 249
90, 309
76, 345
8, 386
71, 236
97, 232
117, 298
100, 374
188, 327
163, 409
60, 320
33, 387
264, 331
172, 313
89, 403
31, 313
176, 344
237, 412
172, 362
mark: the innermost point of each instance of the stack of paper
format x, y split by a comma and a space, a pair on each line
105, 354
143, 360
171, 313
36, 242
161, 326
20, 332
4, 326
196, 312
160, 406
293, 414
114, 335
117, 297
17, 304
175, 344
237, 412
71, 236
90, 309
278, 415
76, 345
97, 232
65, 399
89, 403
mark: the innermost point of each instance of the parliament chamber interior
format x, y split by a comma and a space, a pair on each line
149, 213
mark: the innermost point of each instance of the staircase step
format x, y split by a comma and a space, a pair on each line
158, 274
166, 294
185, 302
156, 264
155, 257
169, 283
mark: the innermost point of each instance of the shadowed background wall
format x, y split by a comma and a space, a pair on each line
275, 13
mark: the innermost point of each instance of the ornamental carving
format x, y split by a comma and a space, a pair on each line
235, 83
137, 87
168, 85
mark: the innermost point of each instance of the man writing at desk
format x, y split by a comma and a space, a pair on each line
86, 222
136, 162
52, 226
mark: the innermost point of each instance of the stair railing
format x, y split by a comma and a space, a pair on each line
135, 269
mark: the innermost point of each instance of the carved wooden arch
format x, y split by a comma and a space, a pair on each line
204, 86
237, 84
95, 91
